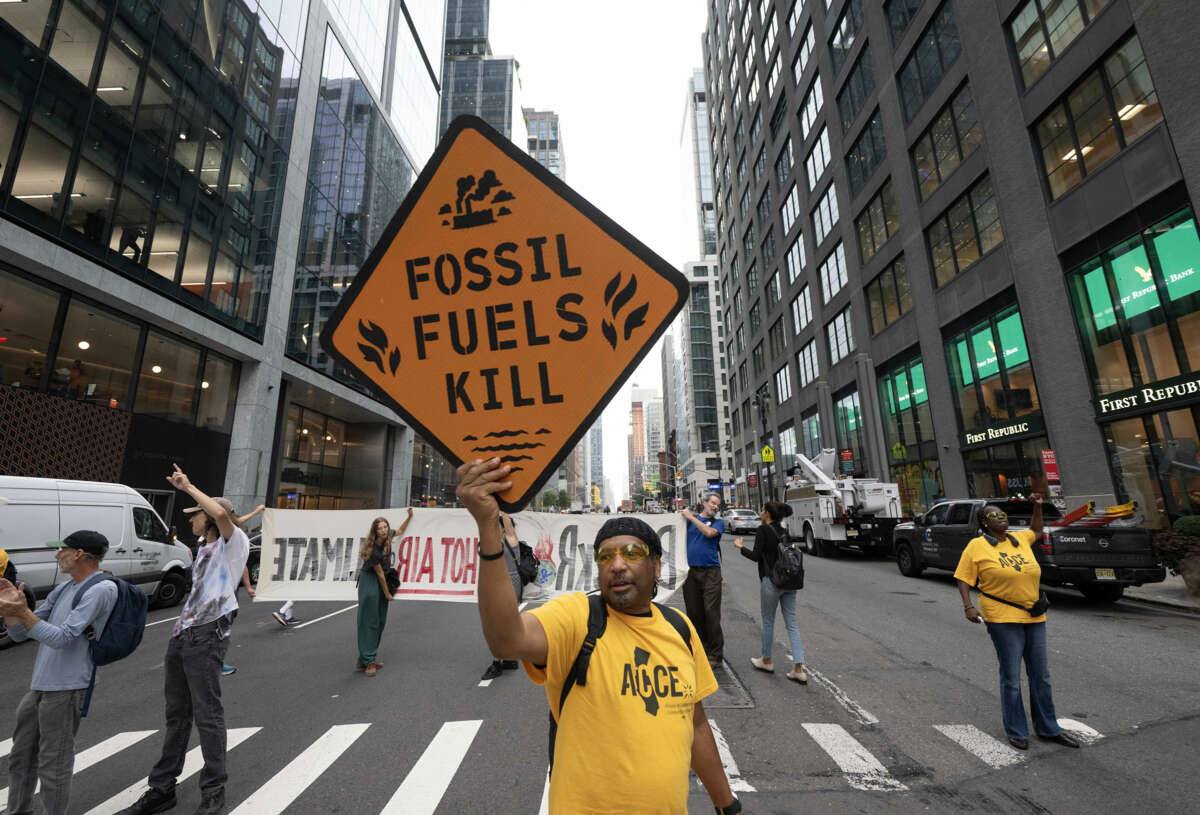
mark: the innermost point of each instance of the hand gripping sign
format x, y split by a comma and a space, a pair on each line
500, 311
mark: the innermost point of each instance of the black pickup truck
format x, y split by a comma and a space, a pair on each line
1099, 561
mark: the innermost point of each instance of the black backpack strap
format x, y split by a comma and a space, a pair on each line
998, 599
596, 623
675, 618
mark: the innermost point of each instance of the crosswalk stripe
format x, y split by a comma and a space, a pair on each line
864, 716
326, 617
5, 746
736, 782
286, 786
429, 778
191, 765
99, 752
544, 809
987, 749
1081, 731
863, 771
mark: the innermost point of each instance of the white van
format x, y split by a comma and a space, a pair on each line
141, 549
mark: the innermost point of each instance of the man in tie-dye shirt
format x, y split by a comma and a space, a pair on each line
196, 653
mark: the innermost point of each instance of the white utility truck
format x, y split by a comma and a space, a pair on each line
831, 513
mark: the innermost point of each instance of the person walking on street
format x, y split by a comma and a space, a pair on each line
373, 592
702, 588
196, 654
43, 740
1001, 564
634, 723
512, 554
765, 552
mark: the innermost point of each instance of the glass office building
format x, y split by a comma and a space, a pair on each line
928, 191
186, 188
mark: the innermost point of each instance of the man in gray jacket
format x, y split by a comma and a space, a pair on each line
43, 745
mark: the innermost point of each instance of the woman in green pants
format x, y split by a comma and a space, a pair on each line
373, 594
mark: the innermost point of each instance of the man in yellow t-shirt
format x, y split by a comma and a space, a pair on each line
628, 736
1004, 566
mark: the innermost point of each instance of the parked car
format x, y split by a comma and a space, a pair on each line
741, 520
1099, 561
141, 549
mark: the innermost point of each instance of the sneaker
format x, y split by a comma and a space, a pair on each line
510, 664
212, 804
152, 801
228, 670
493, 671
279, 618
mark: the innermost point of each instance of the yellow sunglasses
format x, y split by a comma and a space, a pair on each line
629, 552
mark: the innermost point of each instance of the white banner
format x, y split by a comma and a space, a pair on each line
314, 554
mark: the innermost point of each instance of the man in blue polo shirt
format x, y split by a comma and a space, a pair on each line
702, 589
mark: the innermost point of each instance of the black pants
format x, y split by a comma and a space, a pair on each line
192, 690
702, 599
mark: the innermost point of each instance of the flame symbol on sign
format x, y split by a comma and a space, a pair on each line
616, 300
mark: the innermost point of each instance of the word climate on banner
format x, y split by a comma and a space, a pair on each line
317, 554
500, 311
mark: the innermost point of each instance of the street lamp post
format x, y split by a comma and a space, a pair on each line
760, 402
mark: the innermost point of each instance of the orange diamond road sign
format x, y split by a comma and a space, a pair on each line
500, 311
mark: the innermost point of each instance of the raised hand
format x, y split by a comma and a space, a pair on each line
177, 479
478, 483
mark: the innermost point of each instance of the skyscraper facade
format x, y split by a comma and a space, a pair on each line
187, 190
475, 81
545, 141
957, 243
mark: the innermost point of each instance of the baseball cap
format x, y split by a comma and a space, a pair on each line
84, 540
225, 503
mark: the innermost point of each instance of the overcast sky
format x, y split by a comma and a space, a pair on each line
617, 75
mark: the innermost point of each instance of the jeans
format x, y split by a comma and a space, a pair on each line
372, 617
770, 597
44, 748
1028, 640
702, 600
192, 689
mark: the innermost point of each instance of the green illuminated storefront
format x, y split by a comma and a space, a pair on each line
1137, 307
908, 427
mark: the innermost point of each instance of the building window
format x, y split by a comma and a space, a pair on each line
818, 159
806, 49
764, 206
969, 229
740, 340
776, 339
773, 76
783, 164
867, 153
806, 363
795, 258
744, 203
756, 125
759, 360
833, 273
954, 135
908, 428
889, 296
755, 318
778, 118
859, 85
811, 106
773, 291
790, 210
936, 51
738, 302
810, 434
768, 24
990, 371
741, 168
748, 240
768, 247
847, 29
1041, 30
847, 422
879, 220
900, 14
743, 378
801, 311
752, 277
840, 336
760, 165
825, 215
1103, 114
786, 454
783, 385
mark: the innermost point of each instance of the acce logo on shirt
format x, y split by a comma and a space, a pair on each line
651, 684
1015, 561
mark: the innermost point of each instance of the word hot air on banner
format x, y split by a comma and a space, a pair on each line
500, 311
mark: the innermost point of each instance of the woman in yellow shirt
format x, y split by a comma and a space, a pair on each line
1003, 567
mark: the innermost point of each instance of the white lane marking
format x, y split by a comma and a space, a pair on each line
863, 771
160, 622
191, 765
326, 617
736, 782
483, 683
429, 778
5, 746
544, 809
861, 714
108, 747
987, 749
1081, 731
285, 786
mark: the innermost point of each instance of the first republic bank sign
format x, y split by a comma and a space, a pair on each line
1167, 393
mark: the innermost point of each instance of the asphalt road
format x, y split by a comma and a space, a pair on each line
902, 714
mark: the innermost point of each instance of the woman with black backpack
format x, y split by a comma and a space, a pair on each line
766, 552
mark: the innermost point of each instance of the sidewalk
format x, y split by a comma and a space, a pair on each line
1170, 592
